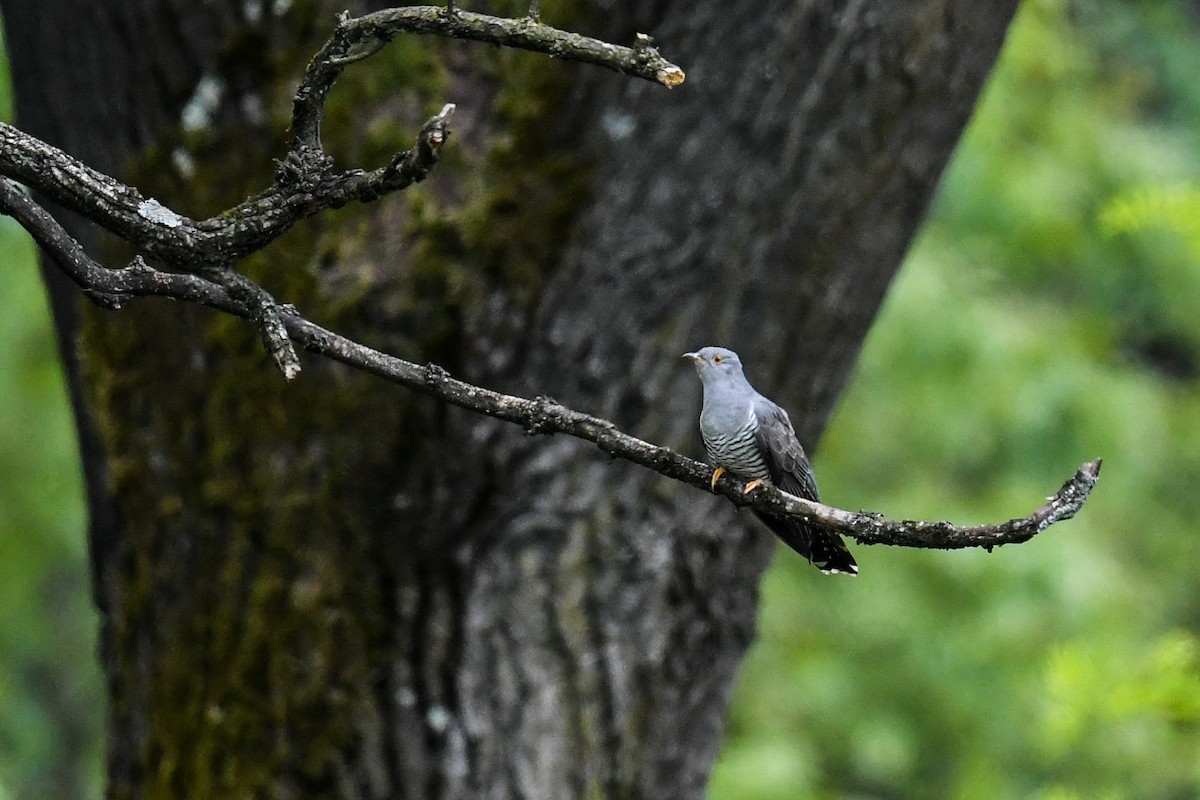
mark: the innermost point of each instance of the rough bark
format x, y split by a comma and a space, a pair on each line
334, 588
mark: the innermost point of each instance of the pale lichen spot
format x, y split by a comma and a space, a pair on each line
156, 212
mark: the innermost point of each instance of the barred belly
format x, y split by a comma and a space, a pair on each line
737, 452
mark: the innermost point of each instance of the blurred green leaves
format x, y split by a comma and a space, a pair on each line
1047, 315
1169, 208
51, 702
50, 687
1124, 724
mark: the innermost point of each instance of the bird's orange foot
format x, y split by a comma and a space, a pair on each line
752, 485
717, 473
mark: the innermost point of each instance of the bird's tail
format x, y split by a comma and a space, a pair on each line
825, 550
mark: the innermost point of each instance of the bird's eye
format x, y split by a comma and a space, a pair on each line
717, 359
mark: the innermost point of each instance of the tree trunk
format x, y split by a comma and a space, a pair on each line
335, 588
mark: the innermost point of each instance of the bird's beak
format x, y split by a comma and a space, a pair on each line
692, 356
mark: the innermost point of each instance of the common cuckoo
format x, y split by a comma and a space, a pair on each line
748, 435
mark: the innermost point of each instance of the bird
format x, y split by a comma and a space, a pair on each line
748, 435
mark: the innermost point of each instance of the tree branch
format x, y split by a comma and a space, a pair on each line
302, 188
300, 191
541, 415
305, 181
198, 256
356, 38
868, 528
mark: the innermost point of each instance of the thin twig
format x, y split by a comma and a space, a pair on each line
540, 415
265, 313
355, 38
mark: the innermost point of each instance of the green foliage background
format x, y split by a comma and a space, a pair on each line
51, 692
1047, 315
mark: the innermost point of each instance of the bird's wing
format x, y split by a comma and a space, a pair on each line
791, 472
785, 457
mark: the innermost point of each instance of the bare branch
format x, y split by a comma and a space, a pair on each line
874, 529
540, 415
159, 232
356, 38
266, 314
305, 184
211, 246
110, 287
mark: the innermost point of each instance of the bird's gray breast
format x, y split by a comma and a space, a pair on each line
729, 432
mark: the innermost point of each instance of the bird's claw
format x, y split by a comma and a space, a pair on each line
752, 485
717, 473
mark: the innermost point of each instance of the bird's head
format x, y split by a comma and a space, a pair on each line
716, 363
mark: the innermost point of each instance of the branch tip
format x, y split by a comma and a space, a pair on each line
670, 76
